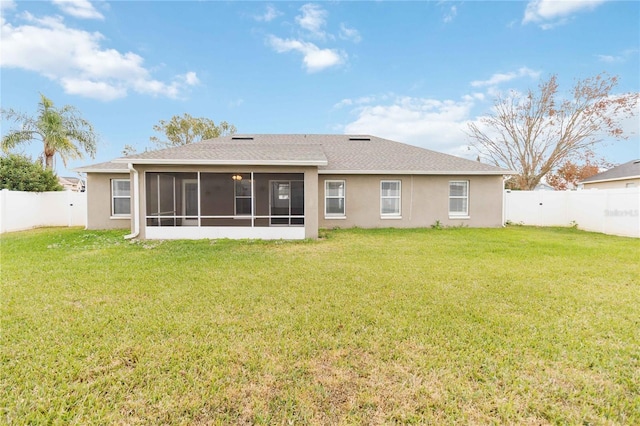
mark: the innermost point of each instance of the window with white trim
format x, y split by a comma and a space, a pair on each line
334, 198
459, 198
390, 201
120, 197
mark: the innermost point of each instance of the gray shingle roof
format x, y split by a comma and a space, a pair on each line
627, 170
245, 152
347, 154
106, 167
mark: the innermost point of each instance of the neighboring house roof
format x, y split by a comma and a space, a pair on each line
544, 187
629, 170
69, 180
347, 154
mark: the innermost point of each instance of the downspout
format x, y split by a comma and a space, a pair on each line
136, 205
504, 199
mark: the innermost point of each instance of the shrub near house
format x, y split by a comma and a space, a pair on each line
19, 173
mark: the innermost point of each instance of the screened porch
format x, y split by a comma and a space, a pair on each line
205, 199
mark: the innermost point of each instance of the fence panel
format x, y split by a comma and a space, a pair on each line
25, 210
610, 211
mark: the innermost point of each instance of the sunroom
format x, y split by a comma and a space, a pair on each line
224, 205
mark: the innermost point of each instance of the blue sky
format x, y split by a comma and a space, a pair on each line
415, 72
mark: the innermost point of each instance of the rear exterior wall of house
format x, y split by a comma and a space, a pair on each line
100, 213
424, 200
366, 201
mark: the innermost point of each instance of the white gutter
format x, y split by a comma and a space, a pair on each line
136, 205
419, 172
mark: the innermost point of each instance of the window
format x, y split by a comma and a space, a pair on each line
243, 197
390, 191
334, 195
120, 197
630, 185
459, 198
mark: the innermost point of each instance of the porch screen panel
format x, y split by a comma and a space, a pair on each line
151, 190
217, 198
164, 198
297, 202
243, 197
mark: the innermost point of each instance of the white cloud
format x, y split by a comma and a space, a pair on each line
313, 19
314, 58
498, 78
425, 122
551, 13
620, 58
269, 15
78, 8
453, 11
359, 101
191, 79
92, 89
77, 61
352, 34
7, 4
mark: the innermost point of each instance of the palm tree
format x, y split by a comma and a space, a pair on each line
62, 131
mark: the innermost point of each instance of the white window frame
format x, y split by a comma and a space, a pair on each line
114, 197
342, 215
394, 215
459, 215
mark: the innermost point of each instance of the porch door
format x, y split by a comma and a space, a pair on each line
280, 201
190, 202
287, 199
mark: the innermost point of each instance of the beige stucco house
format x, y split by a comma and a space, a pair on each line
625, 175
71, 183
289, 186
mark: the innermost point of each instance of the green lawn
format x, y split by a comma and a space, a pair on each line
517, 325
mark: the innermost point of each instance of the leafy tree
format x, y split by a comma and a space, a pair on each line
185, 129
569, 173
535, 133
62, 131
19, 173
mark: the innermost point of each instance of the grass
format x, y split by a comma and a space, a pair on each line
504, 326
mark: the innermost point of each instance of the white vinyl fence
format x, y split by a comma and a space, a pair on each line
610, 211
25, 210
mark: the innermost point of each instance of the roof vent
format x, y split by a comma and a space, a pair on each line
359, 138
242, 138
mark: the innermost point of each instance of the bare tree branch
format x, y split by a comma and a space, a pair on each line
535, 133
